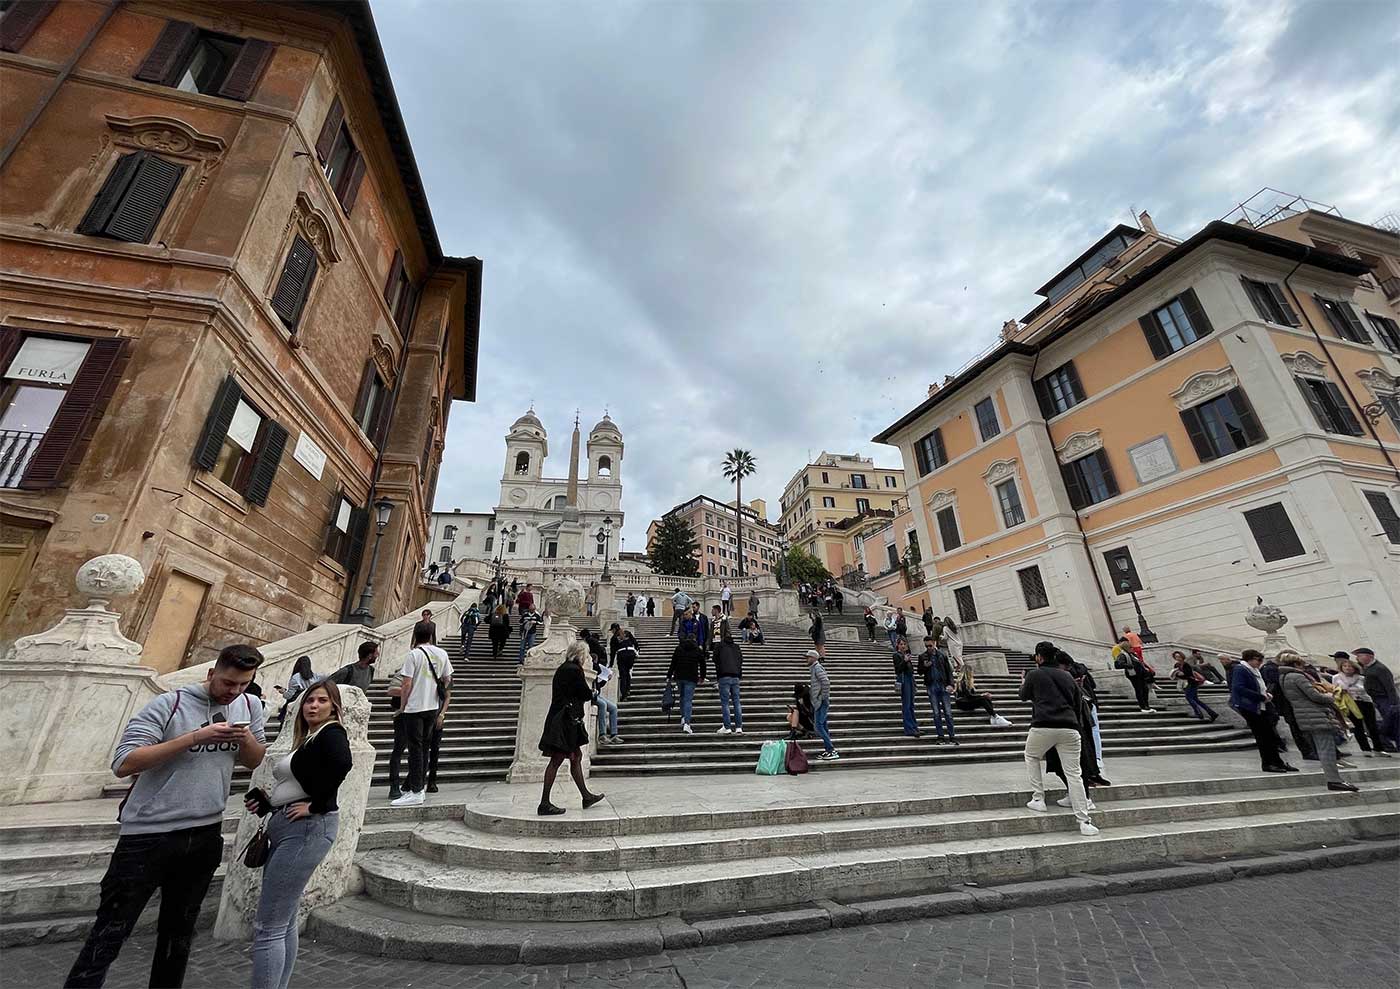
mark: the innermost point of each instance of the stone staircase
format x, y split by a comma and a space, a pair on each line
865, 713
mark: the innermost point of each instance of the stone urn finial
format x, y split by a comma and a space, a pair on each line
1268, 619
104, 578
91, 634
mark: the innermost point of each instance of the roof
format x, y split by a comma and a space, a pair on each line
1216, 230
1122, 229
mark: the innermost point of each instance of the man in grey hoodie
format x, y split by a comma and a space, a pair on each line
821, 703
181, 749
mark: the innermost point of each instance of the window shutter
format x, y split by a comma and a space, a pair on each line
1076, 386
298, 271
1110, 482
1385, 514
1274, 532
1318, 410
1253, 431
1191, 419
168, 55
353, 177
366, 383
105, 204
1070, 475
1195, 313
1042, 397
395, 270
380, 427
330, 127
1345, 419
1251, 289
21, 21
136, 215
1281, 301
87, 396
920, 457
247, 69
9, 346
1358, 332
1155, 338
211, 440
268, 459
938, 445
355, 545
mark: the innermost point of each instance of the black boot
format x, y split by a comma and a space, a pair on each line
547, 810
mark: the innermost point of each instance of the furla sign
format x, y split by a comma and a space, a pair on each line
44, 360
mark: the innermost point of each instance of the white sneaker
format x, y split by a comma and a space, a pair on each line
721, 730
686, 728
1087, 829
409, 799
1066, 802
738, 731
1000, 722
617, 739
1038, 804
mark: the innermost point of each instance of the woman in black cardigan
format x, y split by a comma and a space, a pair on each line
564, 734
304, 822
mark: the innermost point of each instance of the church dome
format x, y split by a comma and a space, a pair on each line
528, 422
605, 428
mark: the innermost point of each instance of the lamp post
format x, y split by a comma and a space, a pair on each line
1125, 586
605, 537
782, 560
383, 508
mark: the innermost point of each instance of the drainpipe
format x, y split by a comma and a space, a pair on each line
59, 80
1303, 314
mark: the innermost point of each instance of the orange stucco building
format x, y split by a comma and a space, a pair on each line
830, 505
228, 323
1195, 423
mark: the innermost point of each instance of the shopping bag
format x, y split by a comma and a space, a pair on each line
771, 757
796, 759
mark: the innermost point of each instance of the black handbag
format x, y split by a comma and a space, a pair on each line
258, 849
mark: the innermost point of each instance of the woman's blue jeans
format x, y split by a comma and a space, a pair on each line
297, 848
607, 715
906, 703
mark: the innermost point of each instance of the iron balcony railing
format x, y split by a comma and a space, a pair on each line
16, 449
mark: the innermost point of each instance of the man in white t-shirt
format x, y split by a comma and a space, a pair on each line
423, 708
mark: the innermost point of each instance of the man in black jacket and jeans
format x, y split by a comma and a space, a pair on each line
1055, 704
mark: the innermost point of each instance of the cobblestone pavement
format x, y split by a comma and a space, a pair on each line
1302, 931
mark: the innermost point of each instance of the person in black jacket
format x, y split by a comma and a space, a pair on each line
623, 651
305, 818
1088, 754
729, 669
564, 735
688, 669
1056, 703
937, 672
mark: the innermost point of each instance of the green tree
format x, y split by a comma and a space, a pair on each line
804, 567
739, 464
673, 550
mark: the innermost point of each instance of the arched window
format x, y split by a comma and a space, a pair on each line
605, 466
559, 502
522, 462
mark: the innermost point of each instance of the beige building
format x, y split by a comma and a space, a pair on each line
716, 525
830, 504
1193, 423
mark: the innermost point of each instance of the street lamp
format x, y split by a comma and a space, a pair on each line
383, 509
782, 560
605, 537
1125, 586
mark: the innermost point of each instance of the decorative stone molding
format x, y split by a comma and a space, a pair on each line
164, 135
942, 499
1078, 445
383, 357
1204, 385
1000, 471
315, 227
1379, 381
1305, 364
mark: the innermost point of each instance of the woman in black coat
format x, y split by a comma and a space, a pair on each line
564, 734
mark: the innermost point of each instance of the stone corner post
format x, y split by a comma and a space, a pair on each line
333, 877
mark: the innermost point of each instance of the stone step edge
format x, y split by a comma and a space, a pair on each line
364, 926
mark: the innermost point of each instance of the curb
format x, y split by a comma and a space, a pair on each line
398, 934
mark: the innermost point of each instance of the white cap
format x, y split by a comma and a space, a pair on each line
813, 654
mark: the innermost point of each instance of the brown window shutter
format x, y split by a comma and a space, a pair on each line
86, 398
355, 545
298, 272
169, 53
247, 69
1199, 322
140, 209
211, 440
380, 427
1191, 419
1281, 301
395, 270
21, 21
110, 195
403, 314
10, 339
1155, 338
329, 129
354, 175
1109, 480
269, 457
362, 396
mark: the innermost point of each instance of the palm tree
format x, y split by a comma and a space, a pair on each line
739, 464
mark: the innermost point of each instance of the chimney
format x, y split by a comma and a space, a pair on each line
1145, 221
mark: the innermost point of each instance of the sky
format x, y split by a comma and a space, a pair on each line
771, 225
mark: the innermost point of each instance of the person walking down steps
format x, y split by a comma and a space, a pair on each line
564, 734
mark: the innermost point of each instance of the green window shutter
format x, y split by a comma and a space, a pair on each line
269, 457
298, 272
216, 423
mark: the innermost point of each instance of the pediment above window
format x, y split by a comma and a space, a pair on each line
1079, 445
1204, 385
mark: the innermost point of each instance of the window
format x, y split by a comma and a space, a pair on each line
445, 554
1386, 331
522, 463
1089, 480
806, 506
948, 529
1342, 318
1329, 406
372, 404
1080, 273
1180, 323
858, 481
239, 445
710, 550
826, 479
828, 502
806, 481
197, 61
398, 290
510, 546
294, 284
889, 481
929, 452
345, 533
1273, 532
449, 532
343, 163
967, 607
1059, 391
490, 540
862, 506
1270, 302
892, 554
491, 525
1391, 405
559, 503
987, 425
710, 568
1222, 426
1385, 514
605, 466
133, 199
1033, 588
52, 390
19, 19
913, 540
1009, 499
1121, 570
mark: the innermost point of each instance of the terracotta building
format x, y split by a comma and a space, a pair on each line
715, 527
830, 505
1180, 426
228, 323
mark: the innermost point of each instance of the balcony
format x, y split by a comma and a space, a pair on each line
16, 450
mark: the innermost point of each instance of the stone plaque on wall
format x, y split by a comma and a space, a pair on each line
310, 456
1152, 459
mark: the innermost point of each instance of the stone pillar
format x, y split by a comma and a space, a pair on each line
332, 878
67, 693
536, 694
605, 601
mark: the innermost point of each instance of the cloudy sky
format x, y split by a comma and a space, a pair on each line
772, 224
